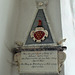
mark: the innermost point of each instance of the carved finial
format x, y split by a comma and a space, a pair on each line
60, 42
19, 43
41, 3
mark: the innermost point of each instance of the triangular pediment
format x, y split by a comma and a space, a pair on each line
40, 16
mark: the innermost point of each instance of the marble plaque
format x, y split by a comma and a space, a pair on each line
43, 62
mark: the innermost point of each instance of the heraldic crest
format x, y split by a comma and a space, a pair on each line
39, 34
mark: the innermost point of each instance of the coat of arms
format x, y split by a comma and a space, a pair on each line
39, 34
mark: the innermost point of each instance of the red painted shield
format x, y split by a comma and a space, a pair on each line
39, 35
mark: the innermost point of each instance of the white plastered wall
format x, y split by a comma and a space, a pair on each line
8, 24
69, 34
